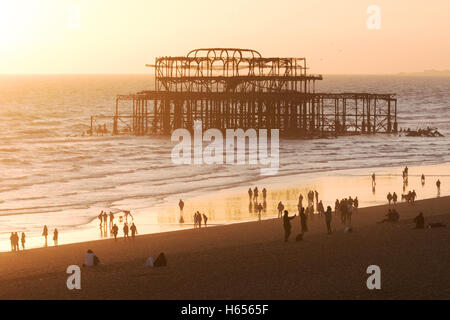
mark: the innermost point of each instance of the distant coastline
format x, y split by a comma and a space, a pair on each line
426, 73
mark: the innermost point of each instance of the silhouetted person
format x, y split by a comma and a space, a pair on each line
316, 194
133, 230
255, 194
438, 185
45, 234
199, 219
389, 197
264, 193
127, 213
115, 231
419, 221
55, 237
161, 261
373, 180
300, 200
394, 198
111, 219
100, 218
205, 219
250, 194
181, 205
303, 220
280, 208
22, 240
328, 217
422, 179
287, 225
11, 238
356, 204
125, 230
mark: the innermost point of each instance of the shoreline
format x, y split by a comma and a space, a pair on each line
250, 249
230, 205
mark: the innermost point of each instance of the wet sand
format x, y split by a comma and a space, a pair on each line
251, 261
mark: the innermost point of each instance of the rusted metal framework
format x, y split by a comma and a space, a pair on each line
238, 88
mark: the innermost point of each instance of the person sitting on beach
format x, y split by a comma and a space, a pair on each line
392, 216
287, 225
328, 218
205, 219
133, 230
419, 221
115, 231
90, 259
161, 261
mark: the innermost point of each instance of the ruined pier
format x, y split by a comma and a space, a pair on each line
229, 88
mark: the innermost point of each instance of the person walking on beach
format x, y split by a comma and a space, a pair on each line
336, 207
373, 180
280, 208
264, 193
22, 240
133, 230
413, 196
389, 197
303, 220
125, 230
422, 179
320, 208
328, 218
55, 237
356, 204
300, 201
45, 234
115, 231
394, 198
205, 220
250, 194
438, 185
287, 225
255, 194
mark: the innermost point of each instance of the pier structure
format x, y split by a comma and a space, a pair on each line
228, 88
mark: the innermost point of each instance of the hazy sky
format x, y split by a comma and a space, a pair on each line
118, 36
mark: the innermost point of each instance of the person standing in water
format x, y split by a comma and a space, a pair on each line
438, 185
328, 218
22, 239
250, 194
181, 205
111, 220
264, 193
422, 179
255, 194
55, 237
45, 234
11, 238
373, 180
205, 219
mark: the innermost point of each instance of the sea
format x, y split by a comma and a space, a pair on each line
52, 174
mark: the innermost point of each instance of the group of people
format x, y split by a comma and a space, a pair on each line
392, 197
254, 194
198, 218
15, 241
345, 208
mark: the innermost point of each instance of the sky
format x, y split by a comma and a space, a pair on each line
116, 36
